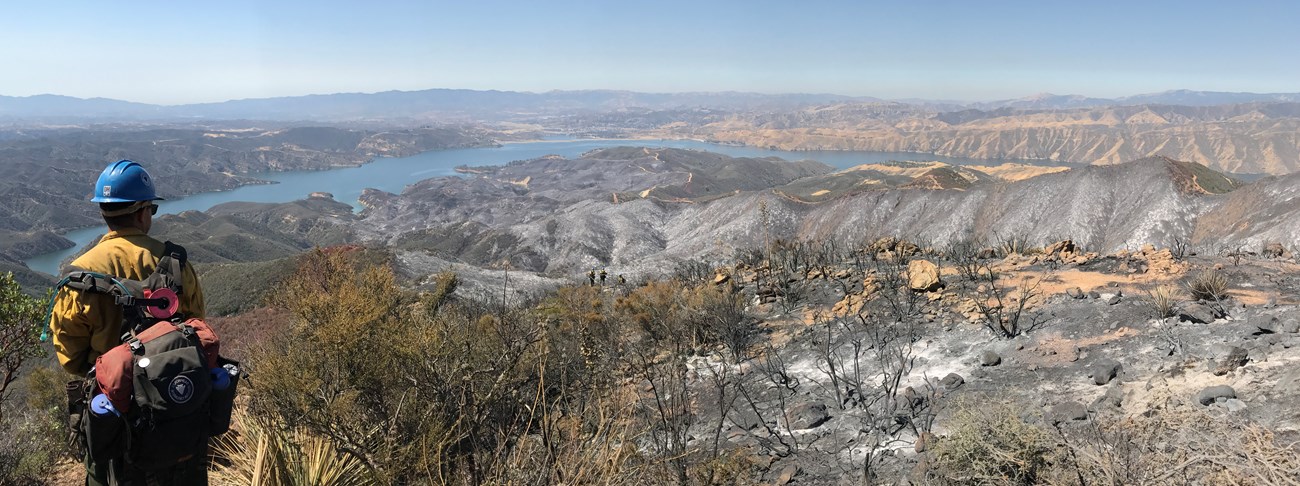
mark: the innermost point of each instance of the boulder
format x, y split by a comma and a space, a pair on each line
808, 415
990, 358
870, 286
1197, 313
1274, 250
1112, 399
923, 442
745, 419
914, 398
884, 244
721, 278
1234, 405
1290, 326
850, 305
1274, 340
923, 276
1214, 393
1068, 411
1076, 293
1234, 358
952, 381
1266, 324
1104, 370
1287, 384
787, 474
1063, 246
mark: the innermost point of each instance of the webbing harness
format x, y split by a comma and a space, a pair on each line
131, 295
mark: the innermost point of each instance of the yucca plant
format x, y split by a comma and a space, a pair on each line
1209, 285
1164, 299
258, 453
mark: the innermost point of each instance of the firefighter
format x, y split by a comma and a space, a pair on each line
85, 325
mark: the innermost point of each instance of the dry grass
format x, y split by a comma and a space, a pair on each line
1179, 445
1164, 300
593, 446
989, 443
257, 453
1210, 285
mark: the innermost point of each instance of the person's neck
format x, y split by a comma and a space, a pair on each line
124, 228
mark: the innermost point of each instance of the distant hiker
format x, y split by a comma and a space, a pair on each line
146, 424
621, 280
591, 277
602, 277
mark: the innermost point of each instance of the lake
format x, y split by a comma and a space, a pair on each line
394, 174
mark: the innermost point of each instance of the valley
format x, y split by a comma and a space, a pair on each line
638, 211
629, 243
806, 307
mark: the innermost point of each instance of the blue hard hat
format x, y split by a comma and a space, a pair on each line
124, 181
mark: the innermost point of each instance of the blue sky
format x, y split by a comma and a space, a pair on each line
184, 52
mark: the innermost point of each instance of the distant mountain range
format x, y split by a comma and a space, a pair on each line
452, 104
1245, 138
446, 104
1180, 97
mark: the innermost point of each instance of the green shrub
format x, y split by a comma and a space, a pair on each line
21, 320
36, 432
434, 389
418, 391
330, 370
231, 288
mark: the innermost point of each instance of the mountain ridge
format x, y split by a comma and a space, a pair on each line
552, 216
1245, 138
501, 103
1106, 208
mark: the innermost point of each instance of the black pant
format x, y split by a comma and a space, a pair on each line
193, 472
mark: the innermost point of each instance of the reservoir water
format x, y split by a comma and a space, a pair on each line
394, 174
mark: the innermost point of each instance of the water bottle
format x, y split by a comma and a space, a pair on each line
103, 427
225, 379
103, 407
220, 378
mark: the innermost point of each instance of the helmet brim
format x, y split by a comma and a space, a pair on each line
101, 199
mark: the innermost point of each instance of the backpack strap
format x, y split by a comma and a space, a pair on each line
88, 281
172, 264
127, 293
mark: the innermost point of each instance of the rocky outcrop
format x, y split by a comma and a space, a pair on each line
923, 276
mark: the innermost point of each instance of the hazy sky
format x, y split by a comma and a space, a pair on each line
184, 52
